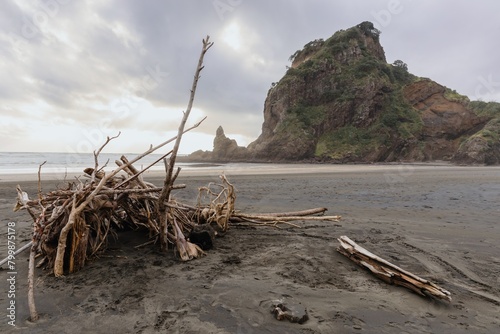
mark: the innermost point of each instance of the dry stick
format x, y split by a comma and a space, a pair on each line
142, 171
96, 169
231, 197
39, 180
22, 202
131, 167
275, 223
31, 292
389, 272
20, 250
103, 238
308, 212
144, 244
167, 186
31, 265
107, 192
73, 216
96, 154
134, 172
126, 169
138, 191
286, 218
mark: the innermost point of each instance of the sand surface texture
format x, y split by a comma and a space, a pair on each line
440, 222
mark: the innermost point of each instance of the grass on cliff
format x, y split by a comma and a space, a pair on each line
397, 120
400, 116
481, 108
309, 116
292, 129
348, 141
491, 131
453, 96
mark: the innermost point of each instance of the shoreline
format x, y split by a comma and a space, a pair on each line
263, 169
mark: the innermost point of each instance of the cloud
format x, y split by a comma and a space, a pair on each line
71, 68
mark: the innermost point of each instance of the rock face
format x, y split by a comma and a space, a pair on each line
445, 122
341, 101
226, 149
317, 95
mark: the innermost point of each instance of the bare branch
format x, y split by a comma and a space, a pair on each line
40, 180
142, 171
96, 154
167, 186
31, 288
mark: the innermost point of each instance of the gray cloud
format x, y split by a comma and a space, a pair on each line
81, 62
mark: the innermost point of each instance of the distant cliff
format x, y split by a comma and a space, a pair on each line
340, 101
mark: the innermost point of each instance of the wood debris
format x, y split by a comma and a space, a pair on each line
74, 223
389, 272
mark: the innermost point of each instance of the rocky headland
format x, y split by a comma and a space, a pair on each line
340, 101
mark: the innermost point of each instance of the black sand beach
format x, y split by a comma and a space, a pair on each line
439, 222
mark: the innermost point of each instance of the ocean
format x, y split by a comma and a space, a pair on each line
29, 162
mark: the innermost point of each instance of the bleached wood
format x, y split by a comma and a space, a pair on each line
389, 272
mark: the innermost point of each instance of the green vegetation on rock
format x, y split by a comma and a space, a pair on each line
341, 100
452, 95
345, 69
349, 142
482, 108
309, 116
490, 132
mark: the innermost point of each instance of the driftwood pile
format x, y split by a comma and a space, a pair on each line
75, 223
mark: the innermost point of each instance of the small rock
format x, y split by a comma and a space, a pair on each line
294, 312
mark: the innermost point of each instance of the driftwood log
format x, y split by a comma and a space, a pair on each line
389, 272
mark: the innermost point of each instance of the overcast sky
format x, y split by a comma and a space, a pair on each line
75, 71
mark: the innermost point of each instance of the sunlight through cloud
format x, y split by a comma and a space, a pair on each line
232, 36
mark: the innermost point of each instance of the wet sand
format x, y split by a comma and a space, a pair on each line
439, 222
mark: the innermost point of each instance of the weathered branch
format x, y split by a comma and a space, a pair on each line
34, 244
96, 155
308, 212
137, 174
22, 202
389, 272
285, 218
167, 185
40, 180
18, 251
31, 283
